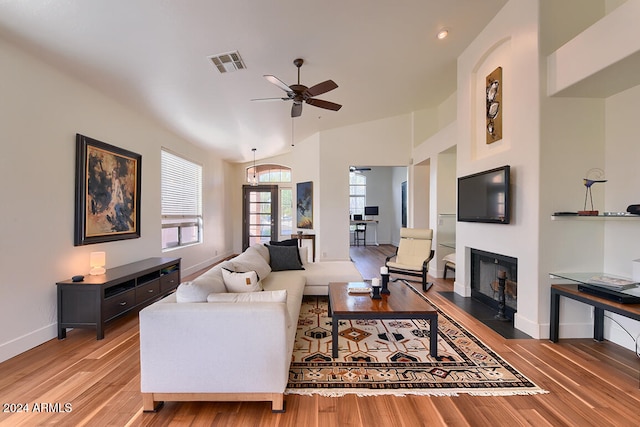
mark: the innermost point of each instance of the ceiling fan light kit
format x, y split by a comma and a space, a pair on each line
254, 180
299, 93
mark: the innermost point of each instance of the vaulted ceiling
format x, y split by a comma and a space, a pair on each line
153, 55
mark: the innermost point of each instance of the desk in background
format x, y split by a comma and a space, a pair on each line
369, 222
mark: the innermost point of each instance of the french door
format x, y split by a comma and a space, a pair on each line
260, 214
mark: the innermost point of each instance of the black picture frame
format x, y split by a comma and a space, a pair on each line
403, 206
304, 205
107, 192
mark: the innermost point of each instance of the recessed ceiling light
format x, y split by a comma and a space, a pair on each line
442, 34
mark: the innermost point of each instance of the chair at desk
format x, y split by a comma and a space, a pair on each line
360, 234
413, 254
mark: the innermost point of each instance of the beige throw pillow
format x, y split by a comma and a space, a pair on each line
241, 282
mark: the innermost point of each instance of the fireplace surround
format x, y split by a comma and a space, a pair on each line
485, 270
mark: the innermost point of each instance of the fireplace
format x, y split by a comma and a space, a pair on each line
486, 269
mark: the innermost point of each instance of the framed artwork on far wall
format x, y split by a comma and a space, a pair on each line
403, 207
304, 204
107, 200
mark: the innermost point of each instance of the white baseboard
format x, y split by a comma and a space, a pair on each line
27, 342
462, 290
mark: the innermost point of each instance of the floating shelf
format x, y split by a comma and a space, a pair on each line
592, 218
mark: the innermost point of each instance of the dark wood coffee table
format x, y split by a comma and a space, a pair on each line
402, 303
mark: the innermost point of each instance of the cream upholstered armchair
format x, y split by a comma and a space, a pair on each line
413, 254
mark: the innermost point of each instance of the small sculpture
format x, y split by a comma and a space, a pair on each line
588, 182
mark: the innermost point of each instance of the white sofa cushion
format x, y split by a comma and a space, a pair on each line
192, 292
241, 282
304, 255
266, 296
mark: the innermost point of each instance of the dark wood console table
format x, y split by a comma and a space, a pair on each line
599, 304
98, 299
302, 237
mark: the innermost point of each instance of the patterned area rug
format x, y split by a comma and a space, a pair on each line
392, 357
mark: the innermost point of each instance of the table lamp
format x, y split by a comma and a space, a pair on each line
97, 261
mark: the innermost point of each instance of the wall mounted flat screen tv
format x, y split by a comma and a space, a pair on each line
370, 210
485, 196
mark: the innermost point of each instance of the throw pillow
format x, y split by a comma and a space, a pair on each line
192, 292
266, 296
241, 282
211, 280
250, 260
262, 250
284, 258
288, 242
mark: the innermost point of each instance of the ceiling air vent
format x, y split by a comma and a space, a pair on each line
228, 62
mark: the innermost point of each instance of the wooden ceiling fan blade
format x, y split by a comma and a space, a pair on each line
321, 88
296, 109
276, 81
270, 99
324, 104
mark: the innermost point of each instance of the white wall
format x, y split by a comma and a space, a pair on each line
380, 193
399, 175
385, 142
324, 159
581, 133
510, 41
303, 161
622, 236
41, 112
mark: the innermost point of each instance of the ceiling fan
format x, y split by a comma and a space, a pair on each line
358, 169
300, 93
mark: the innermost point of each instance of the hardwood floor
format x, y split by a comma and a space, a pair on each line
81, 381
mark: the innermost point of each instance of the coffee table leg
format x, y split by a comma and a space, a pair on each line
334, 337
433, 336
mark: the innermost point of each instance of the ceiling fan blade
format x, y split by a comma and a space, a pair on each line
321, 88
276, 81
270, 99
296, 109
324, 104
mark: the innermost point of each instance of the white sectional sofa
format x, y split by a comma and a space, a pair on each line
209, 342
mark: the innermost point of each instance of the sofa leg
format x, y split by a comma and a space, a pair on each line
150, 405
278, 405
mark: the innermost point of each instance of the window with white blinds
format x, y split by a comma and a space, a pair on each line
181, 192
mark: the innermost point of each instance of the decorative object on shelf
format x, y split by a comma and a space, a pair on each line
633, 209
97, 261
594, 175
304, 204
254, 180
384, 273
375, 288
494, 106
107, 199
